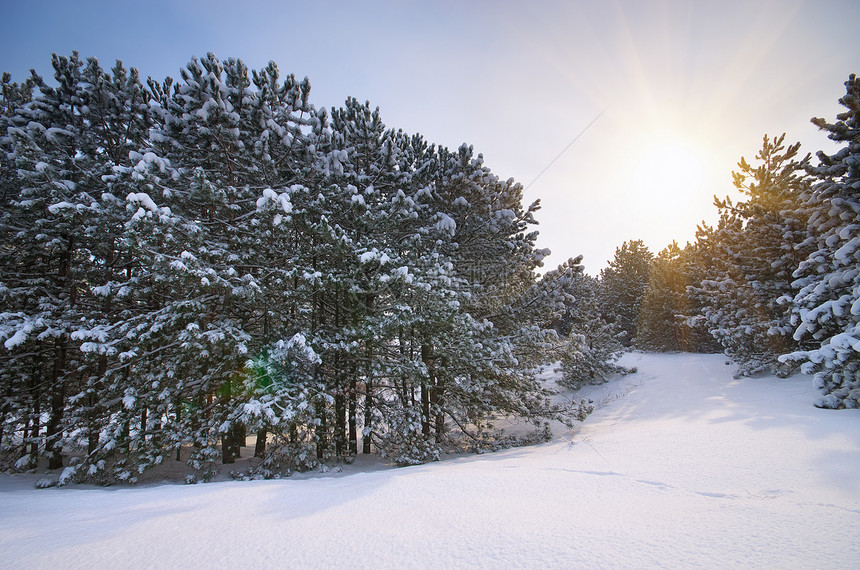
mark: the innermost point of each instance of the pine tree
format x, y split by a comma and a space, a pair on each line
19, 401
188, 261
622, 286
827, 305
216, 248
662, 324
758, 243
591, 345
700, 257
66, 142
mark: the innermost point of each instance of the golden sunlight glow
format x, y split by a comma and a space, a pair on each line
666, 175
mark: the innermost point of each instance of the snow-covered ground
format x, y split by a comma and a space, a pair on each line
680, 466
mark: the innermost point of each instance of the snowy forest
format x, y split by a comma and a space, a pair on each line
187, 263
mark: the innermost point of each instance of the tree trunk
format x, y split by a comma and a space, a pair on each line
93, 399
92, 428
260, 446
352, 404
368, 387
426, 390
227, 447
54, 431
33, 447
436, 402
368, 415
230, 450
33, 434
229, 439
340, 423
125, 435
425, 410
178, 407
7, 403
143, 418
322, 431
440, 426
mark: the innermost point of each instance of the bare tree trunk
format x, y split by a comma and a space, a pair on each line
340, 423
179, 444
34, 427
54, 431
368, 415
426, 390
143, 419
322, 431
260, 446
352, 405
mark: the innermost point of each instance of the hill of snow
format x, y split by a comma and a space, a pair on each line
680, 466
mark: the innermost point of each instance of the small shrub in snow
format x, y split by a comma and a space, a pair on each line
45, 482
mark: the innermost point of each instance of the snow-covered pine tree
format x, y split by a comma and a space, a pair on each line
506, 313
279, 127
662, 320
700, 257
213, 256
116, 109
18, 383
591, 345
622, 285
758, 243
827, 305
371, 207
221, 172
67, 239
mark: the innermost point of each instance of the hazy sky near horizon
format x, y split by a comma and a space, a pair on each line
680, 90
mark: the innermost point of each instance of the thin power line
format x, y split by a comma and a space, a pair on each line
564, 150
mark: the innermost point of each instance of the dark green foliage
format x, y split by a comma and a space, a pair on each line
622, 286
666, 306
756, 246
827, 304
190, 261
590, 345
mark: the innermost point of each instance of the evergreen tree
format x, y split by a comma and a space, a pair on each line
213, 251
758, 244
827, 304
591, 345
188, 261
700, 257
662, 322
622, 286
19, 398
65, 242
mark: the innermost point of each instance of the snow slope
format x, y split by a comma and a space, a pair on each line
680, 466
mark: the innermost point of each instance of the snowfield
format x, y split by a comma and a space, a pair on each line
680, 466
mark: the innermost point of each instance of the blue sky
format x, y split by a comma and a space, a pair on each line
685, 88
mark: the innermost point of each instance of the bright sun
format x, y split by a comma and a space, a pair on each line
666, 175
668, 168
